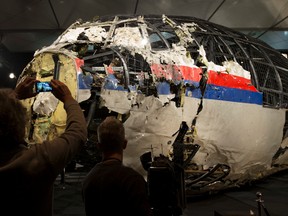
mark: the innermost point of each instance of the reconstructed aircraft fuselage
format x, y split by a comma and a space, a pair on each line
226, 93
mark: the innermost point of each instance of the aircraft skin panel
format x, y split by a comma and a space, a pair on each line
234, 142
119, 101
147, 132
246, 139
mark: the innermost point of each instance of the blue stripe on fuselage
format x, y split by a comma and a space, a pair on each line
212, 92
227, 94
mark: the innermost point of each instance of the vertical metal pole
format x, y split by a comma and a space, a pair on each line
258, 200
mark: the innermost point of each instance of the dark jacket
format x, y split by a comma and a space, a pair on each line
27, 175
111, 189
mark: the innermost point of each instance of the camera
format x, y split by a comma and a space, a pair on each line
43, 87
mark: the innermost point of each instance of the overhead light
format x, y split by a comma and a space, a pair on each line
12, 76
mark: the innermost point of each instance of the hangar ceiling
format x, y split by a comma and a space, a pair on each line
26, 26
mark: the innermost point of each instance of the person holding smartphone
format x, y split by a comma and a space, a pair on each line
43, 87
27, 173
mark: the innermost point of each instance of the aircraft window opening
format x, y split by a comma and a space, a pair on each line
156, 41
170, 37
165, 32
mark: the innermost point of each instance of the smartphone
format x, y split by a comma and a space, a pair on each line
43, 87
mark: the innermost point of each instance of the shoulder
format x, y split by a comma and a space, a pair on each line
132, 174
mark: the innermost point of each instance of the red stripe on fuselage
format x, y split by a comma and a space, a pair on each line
178, 73
174, 72
230, 81
79, 62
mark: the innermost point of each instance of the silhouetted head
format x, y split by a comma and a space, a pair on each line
111, 135
12, 120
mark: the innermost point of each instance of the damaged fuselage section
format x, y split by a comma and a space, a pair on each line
178, 84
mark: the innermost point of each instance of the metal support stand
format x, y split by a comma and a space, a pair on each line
260, 203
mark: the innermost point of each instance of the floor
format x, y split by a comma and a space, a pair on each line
236, 202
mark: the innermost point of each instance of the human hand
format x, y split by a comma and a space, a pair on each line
24, 88
60, 90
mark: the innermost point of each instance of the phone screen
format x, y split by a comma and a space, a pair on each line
43, 87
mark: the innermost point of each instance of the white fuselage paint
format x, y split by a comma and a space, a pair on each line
243, 136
